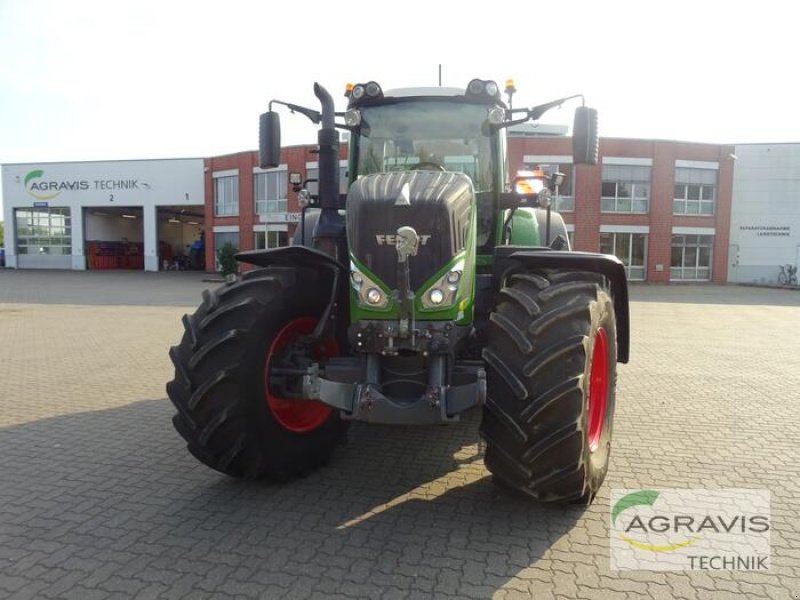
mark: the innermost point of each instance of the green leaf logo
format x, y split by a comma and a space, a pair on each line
33, 175
36, 174
642, 497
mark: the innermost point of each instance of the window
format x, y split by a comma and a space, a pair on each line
226, 196
270, 239
566, 200
271, 191
312, 172
626, 189
432, 135
695, 191
220, 239
43, 231
691, 257
630, 248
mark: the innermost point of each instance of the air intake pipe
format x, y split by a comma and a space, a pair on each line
330, 227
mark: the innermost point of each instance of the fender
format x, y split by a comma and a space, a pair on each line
607, 265
309, 258
291, 256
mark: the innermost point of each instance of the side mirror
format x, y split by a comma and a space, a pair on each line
585, 140
269, 140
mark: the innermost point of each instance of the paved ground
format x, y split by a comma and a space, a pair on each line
99, 499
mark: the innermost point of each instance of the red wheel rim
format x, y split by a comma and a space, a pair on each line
597, 402
297, 415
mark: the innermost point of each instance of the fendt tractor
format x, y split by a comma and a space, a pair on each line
436, 284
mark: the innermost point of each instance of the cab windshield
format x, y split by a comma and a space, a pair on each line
430, 135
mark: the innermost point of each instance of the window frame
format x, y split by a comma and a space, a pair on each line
273, 238
632, 271
49, 236
312, 172
230, 205
682, 270
632, 198
267, 205
564, 203
681, 203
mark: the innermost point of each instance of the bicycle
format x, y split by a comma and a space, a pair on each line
788, 275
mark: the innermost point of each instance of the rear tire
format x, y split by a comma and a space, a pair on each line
226, 413
551, 375
557, 228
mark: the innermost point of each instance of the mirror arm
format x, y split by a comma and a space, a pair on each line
350, 128
505, 124
535, 113
313, 115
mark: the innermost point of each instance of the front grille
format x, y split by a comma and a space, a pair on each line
439, 211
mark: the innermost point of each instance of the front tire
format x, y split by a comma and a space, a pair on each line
230, 414
551, 376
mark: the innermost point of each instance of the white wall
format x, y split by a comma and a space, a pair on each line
141, 183
765, 217
113, 229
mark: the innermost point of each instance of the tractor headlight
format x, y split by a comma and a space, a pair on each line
443, 292
374, 296
436, 296
366, 91
496, 115
475, 87
479, 87
369, 293
352, 118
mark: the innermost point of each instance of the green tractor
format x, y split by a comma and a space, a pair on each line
436, 284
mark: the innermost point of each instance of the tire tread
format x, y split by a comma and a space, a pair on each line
221, 412
537, 359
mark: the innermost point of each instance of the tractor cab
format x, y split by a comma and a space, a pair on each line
431, 129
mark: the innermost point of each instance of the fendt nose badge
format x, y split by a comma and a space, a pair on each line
406, 243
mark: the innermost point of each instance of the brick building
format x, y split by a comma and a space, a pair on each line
251, 207
662, 207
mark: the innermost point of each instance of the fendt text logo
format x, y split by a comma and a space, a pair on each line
667, 530
42, 189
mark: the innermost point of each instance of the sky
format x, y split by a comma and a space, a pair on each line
111, 80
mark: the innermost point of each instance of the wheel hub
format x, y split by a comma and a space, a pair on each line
597, 400
298, 415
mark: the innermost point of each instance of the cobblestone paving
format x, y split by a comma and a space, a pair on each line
99, 498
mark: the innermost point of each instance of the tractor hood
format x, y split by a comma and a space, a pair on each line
436, 204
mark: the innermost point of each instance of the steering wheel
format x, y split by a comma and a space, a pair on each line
424, 164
